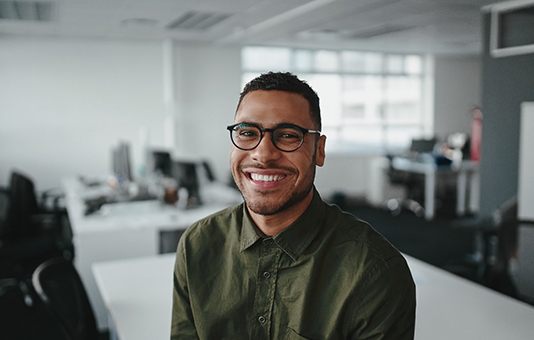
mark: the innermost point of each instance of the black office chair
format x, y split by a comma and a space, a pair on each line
30, 232
206, 166
23, 317
502, 243
4, 212
494, 244
414, 184
61, 290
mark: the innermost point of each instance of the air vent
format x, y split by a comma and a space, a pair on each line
26, 10
379, 31
197, 21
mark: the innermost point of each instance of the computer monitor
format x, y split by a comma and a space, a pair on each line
121, 162
186, 175
160, 162
423, 145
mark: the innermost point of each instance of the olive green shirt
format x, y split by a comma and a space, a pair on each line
327, 276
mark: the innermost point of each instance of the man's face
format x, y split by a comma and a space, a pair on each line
271, 180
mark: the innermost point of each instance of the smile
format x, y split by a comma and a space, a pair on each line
266, 178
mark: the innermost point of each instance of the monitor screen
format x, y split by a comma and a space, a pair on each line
186, 175
121, 162
423, 145
161, 162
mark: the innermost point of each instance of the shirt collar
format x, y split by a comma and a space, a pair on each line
295, 238
249, 233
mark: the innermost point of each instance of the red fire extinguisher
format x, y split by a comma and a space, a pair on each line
476, 134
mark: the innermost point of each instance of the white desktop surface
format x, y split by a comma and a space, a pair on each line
138, 214
138, 296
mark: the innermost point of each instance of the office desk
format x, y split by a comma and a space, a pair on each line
138, 294
123, 230
466, 172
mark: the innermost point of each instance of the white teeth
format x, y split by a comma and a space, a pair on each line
265, 178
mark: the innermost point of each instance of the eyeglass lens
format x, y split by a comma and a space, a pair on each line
284, 138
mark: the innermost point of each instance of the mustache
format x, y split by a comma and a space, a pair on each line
266, 166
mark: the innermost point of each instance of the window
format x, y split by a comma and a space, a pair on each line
369, 101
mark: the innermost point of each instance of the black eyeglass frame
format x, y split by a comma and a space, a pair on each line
271, 130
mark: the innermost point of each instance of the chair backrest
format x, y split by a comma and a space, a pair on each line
61, 290
4, 213
23, 202
22, 316
208, 170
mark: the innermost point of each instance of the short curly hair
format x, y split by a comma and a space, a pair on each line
285, 81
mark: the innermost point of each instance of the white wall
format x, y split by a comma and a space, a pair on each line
344, 173
66, 102
209, 81
457, 91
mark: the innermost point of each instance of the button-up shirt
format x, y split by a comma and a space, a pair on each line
327, 276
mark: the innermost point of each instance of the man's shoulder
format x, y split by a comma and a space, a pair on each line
218, 224
359, 238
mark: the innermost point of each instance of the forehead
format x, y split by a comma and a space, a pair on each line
274, 107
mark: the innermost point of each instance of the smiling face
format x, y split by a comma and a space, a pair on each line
273, 181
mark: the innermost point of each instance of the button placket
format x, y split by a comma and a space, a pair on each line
265, 288
262, 320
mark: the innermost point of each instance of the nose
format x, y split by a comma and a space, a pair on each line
265, 152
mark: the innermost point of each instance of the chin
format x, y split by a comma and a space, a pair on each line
263, 205
264, 208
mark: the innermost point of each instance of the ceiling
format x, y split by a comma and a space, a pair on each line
423, 26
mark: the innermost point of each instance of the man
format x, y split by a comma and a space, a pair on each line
284, 264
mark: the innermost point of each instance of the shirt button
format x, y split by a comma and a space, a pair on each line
266, 275
262, 319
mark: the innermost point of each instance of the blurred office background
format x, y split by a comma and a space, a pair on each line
426, 82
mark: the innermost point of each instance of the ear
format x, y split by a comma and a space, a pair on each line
319, 151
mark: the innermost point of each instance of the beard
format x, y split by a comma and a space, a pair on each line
262, 203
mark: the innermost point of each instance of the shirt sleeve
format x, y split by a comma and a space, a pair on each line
182, 322
385, 307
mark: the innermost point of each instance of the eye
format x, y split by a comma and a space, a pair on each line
288, 134
247, 132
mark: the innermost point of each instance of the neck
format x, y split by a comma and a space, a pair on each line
272, 225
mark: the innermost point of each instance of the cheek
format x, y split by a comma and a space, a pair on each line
236, 158
233, 160
304, 163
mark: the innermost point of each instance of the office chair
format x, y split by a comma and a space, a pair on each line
206, 166
29, 232
60, 289
414, 184
4, 211
502, 242
494, 245
23, 317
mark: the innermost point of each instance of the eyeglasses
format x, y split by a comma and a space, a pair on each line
285, 137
